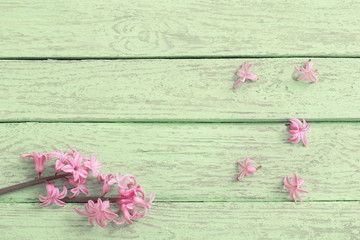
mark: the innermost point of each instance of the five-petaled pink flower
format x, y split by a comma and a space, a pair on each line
39, 159
294, 187
308, 72
76, 166
53, 196
97, 212
246, 168
298, 130
244, 74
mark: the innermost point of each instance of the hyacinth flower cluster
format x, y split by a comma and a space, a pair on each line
75, 168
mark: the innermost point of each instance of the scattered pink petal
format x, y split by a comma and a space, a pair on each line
97, 212
39, 159
247, 169
308, 72
294, 187
298, 131
53, 196
244, 74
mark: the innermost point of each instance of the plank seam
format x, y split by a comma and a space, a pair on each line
175, 57
188, 122
180, 201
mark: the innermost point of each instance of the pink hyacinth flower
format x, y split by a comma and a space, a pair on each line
246, 168
123, 182
39, 159
294, 187
76, 167
106, 179
93, 165
298, 131
62, 159
244, 74
133, 205
79, 186
53, 196
308, 72
97, 212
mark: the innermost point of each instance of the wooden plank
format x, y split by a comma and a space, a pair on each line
32, 28
176, 90
194, 162
325, 220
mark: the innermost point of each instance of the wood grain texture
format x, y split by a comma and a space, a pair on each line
176, 90
34, 28
329, 220
193, 162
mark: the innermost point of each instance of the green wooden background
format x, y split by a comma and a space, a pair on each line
146, 86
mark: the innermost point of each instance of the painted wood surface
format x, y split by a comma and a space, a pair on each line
194, 162
33, 28
325, 220
146, 86
177, 90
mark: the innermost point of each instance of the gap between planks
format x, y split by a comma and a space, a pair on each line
255, 121
170, 57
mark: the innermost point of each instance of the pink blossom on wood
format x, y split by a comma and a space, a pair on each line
294, 187
53, 196
39, 159
97, 213
79, 186
76, 166
247, 169
93, 165
307, 72
62, 159
298, 130
106, 179
123, 182
134, 205
245, 73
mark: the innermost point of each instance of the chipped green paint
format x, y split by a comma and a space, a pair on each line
195, 90
194, 162
112, 28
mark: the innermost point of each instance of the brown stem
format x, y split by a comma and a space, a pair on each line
31, 183
258, 167
86, 199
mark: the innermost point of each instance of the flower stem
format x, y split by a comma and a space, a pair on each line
86, 199
258, 168
31, 183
